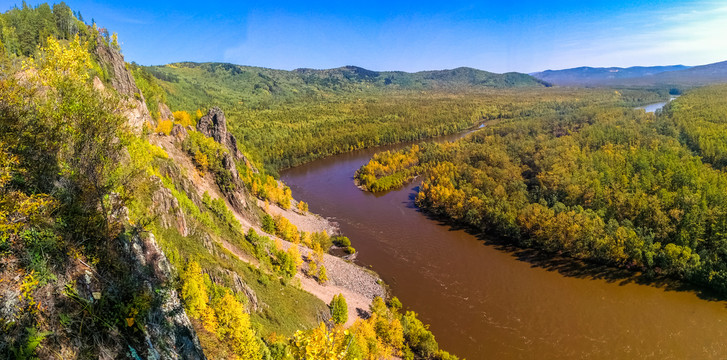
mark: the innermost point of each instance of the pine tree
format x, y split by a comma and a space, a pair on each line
339, 309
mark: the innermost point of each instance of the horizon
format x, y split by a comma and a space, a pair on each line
527, 37
428, 70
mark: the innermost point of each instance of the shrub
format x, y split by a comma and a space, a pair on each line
164, 127
268, 224
302, 206
322, 275
183, 118
342, 241
418, 337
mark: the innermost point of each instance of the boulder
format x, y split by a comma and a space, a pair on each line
179, 132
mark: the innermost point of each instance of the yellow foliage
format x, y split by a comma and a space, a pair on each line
302, 206
322, 275
366, 340
234, 325
142, 153
18, 210
202, 162
164, 127
319, 344
295, 255
286, 230
183, 118
57, 63
194, 290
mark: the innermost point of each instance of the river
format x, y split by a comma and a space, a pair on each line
485, 300
651, 108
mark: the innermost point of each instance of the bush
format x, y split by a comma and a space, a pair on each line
322, 275
420, 340
302, 206
342, 241
268, 224
164, 127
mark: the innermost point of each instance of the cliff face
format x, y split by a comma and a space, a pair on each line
214, 125
123, 82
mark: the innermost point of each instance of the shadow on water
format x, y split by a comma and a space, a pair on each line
567, 266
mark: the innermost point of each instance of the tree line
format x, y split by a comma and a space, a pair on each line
599, 181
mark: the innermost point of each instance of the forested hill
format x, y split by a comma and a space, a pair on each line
694, 76
660, 76
586, 75
233, 83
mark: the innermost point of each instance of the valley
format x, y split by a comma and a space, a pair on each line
208, 210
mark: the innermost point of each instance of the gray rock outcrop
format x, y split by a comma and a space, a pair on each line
168, 331
214, 125
164, 112
166, 207
121, 79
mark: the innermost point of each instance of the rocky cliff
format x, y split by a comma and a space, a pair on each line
214, 125
135, 109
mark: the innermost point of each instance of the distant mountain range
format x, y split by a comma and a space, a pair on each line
675, 75
228, 82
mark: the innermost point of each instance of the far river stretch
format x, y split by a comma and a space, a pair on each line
485, 301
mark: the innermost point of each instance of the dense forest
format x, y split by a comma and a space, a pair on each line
594, 181
286, 118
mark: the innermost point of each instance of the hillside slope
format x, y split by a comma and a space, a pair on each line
694, 76
585, 75
661, 76
130, 236
236, 83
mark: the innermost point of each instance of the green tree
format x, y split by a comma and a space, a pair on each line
339, 309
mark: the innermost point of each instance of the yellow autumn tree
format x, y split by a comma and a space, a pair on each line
164, 127
57, 63
196, 296
319, 344
234, 325
183, 118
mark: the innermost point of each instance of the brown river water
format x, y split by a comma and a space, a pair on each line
485, 300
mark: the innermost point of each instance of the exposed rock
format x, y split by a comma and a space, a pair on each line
181, 183
238, 285
209, 244
121, 79
98, 84
166, 206
229, 164
168, 331
214, 125
164, 112
179, 132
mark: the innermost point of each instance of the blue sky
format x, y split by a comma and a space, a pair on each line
497, 36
